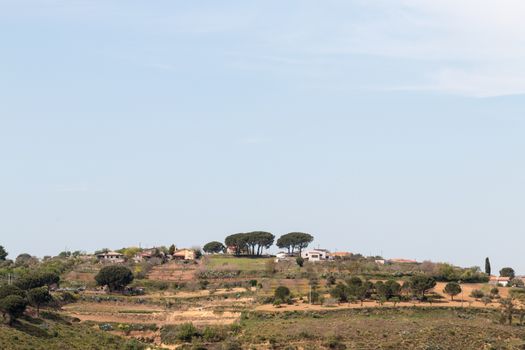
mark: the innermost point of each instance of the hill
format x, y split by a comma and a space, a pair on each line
53, 332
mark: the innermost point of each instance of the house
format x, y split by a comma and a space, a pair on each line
147, 254
316, 255
184, 254
110, 256
495, 280
282, 256
380, 261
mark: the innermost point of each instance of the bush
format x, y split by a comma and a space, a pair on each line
214, 334
477, 294
185, 332
486, 300
300, 261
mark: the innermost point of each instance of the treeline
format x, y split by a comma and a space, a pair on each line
254, 243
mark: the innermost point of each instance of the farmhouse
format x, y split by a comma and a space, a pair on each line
110, 256
184, 254
496, 280
316, 255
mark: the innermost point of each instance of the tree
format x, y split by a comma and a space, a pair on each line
3, 253
116, 277
487, 266
7, 289
452, 289
282, 293
516, 282
507, 310
263, 239
507, 272
25, 259
420, 284
213, 247
12, 306
295, 241
171, 250
38, 296
388, 289
300, 261
38, 279
340, 292
238, 241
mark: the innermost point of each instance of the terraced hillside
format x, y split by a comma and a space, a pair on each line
173, 271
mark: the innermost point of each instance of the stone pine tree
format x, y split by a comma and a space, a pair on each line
487, 266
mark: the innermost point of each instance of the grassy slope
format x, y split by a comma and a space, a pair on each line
236, 263
57, 334
386, 329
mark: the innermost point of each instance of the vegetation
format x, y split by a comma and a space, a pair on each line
214, 247
115, 277
295, 241
452, 289
487, 266
250, 243
507, 272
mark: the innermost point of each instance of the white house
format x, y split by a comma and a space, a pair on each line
495, 280
113, 257
316, 255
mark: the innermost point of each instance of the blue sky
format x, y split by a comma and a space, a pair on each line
381, 127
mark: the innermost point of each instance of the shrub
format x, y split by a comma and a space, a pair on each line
486, 300
300, 261
477, 294
214, 334
185, 332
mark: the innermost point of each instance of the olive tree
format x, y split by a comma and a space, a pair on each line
452, 289
38, 297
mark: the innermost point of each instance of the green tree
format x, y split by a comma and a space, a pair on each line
3, 253
507, 272
340, 292
487, 266
420, 284
172, 249
12, 306
300, 261
213, 247
295, 241
116, 277
38, 279
452, 289
282, 293
38, 297
388, 289
7, 289
238, 241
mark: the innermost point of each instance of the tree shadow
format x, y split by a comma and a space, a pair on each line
30, 329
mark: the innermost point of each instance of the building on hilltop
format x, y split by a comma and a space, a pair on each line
498, 280
184, 254
110, 256
316, 255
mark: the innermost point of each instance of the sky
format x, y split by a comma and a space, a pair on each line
381, 127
